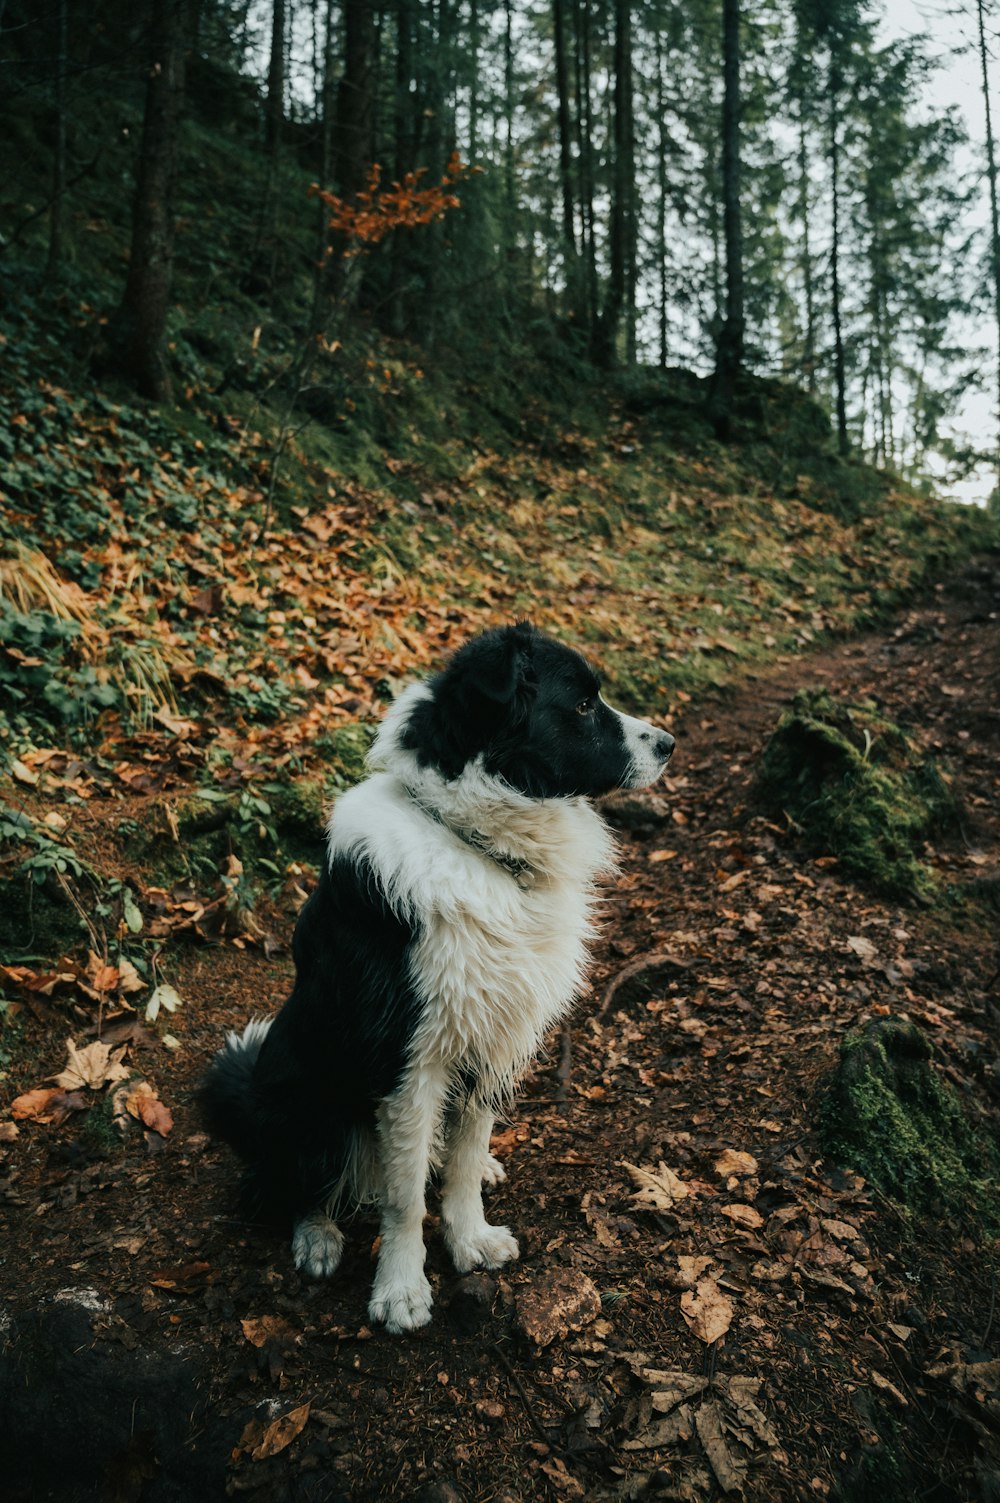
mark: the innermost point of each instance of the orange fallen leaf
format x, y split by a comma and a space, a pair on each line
260, 1444
144, 1104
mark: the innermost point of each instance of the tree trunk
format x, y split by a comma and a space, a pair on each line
356, 105
809, 351
991, 173
59, 154
585, 126
137, 333
275, 109
661, 186
839, 362
565, 157
729, 350
327, 66
622, 200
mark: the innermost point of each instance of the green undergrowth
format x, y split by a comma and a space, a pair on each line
856, 787
891, 1115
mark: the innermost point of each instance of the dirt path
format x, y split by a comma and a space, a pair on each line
154, 1340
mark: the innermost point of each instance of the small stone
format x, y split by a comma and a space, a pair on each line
471, 1302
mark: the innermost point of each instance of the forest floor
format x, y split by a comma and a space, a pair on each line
755, 1320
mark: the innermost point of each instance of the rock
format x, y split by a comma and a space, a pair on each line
556, 1304
471, 1302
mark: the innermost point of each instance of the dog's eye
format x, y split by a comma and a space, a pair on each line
586, 706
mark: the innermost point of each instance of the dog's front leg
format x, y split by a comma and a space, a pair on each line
408, 1122
470, 1239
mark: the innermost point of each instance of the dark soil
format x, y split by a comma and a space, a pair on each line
148, 1327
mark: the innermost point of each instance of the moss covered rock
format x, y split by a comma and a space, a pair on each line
890, 1115
858, 789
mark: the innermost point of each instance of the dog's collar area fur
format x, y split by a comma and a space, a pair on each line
524, 874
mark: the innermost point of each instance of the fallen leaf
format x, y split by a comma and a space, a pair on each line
659, 1189
23, 774
162, 996
261, 1442
744, 1216
47, 1104
692, 1268
8, 1132
708, 1312
728, 1471
734, 1161
268, 1328
144, 1104
862, 947
93, 1066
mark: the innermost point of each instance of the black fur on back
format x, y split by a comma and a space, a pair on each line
292, 1107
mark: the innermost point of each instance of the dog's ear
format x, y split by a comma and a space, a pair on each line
499, 662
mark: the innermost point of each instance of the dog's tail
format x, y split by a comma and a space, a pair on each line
225, 1095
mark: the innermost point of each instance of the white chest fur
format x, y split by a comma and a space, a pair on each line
496, 961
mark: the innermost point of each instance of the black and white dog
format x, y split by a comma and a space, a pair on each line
447, 933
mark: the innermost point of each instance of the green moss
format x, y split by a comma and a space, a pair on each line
98, 1133
890, 1115
857, 789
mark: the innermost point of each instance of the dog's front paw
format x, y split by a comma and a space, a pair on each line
494, 1172
485, 1247
401, 1307
317, 1245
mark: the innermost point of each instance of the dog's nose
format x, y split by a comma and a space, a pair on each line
664, 745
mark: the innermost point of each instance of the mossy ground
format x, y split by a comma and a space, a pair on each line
857, 787
890, 1115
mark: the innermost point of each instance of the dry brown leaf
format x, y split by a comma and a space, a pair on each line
691, 1269
8, 1132
144, 1104
659, 1189
268, 1328
744, 1216
728, 1470
277, 1435
47, 1104
31, 1107
708, 1312
735, 1161
94, 1066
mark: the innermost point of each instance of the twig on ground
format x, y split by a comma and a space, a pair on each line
647, 962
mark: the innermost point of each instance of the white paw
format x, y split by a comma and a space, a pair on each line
401, 1307
317, 1245
484, 1247
494, 1172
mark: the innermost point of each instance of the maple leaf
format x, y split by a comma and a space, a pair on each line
95, 1066
659, 1189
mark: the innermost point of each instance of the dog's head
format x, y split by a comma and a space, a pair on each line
532, 710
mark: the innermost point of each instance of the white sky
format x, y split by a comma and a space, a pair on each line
954, 38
